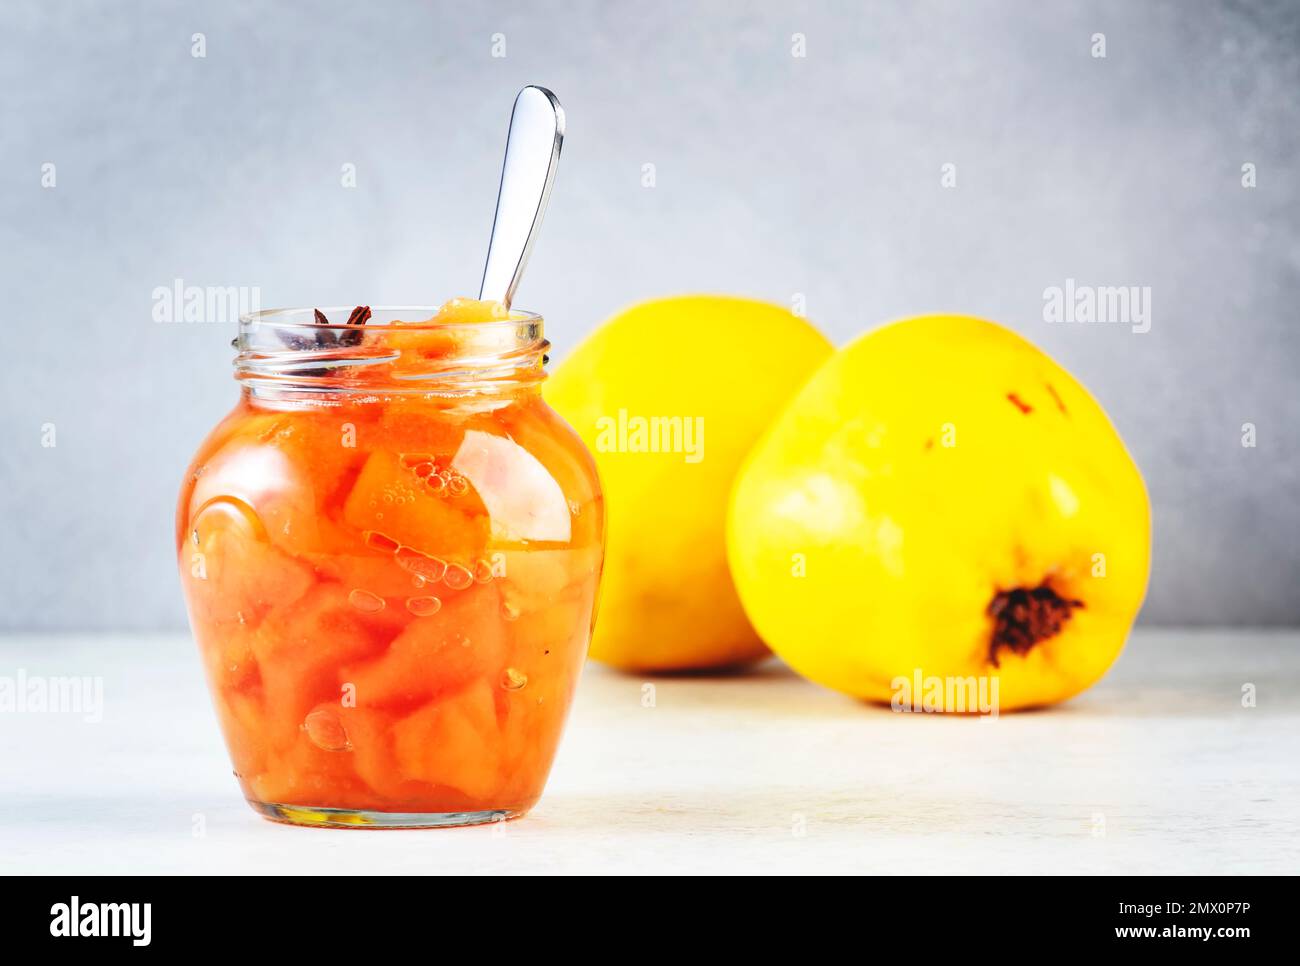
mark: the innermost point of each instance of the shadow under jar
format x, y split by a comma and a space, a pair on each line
390, 550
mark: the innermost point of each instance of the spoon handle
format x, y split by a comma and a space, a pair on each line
532, 150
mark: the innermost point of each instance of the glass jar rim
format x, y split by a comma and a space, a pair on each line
382, 317
288, 351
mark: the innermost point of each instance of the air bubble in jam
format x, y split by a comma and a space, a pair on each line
423, 469
513, 679
396, 493
482, 571
423, 606
365, 601
457, 485
509, 611
326, 731
457, 577
421, 564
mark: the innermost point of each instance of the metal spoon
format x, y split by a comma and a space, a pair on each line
532, 151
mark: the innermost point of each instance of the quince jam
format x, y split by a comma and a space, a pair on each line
390, 551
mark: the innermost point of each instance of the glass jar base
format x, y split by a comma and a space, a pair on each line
320, 817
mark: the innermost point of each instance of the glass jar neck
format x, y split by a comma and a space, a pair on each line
287, 355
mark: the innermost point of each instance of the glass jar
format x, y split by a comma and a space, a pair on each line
390, 551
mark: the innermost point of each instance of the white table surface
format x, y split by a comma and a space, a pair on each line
1158, 768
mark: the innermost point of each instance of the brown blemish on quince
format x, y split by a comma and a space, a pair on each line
1020, 404
1024, 617
1059, 403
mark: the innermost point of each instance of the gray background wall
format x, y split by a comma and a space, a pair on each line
775, 175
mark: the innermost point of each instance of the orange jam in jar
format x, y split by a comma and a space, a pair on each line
390, 551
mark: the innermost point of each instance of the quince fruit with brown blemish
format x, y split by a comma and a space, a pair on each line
942, 498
